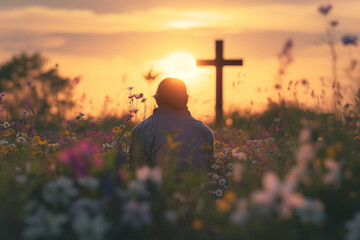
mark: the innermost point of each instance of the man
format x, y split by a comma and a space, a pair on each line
171, 134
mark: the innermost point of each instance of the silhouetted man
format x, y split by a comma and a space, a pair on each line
171, 133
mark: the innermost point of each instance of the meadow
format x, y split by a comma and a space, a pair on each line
288, 172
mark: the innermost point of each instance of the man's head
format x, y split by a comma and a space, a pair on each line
172, 93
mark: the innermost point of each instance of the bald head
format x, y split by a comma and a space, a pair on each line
172, 93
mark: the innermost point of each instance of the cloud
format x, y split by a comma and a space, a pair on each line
122, 6
222, 19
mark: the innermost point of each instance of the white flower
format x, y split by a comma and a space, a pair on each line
305, 135
61, 190
2, 141
334, 174
17, 170
305, 154
20, 140
353, 228
143, 173
24, 113
85, 204
136, 214
43, 224
215, 177
274, 191
227, 150
237, 153
171, 216
146, 173
222, 182
312, 212
219, 192
240, 215
6, 125
88, 182
298, 173
137, 187
89, 227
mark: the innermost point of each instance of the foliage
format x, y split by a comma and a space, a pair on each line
41, 92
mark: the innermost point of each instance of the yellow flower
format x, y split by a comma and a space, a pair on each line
9, 132
27, 125
197, 224
73, 134
36, 139
217, 143
357, 138
116, 130
127, 134
230, 196
44, 142
318, 162
65, 133
34, 154
338, 146
223, 206
330, 151
226, 145
205, 146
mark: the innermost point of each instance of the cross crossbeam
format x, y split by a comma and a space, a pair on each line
219, 62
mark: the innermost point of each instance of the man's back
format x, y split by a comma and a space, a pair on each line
150, 136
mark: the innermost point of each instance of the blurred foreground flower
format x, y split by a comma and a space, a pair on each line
60, 190
325, 9
353, 228
349, 40
44, 224
280, 196
136, 214
82, 157
312, 212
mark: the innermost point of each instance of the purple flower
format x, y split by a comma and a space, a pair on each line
334, 23
3, 94
325, 9
28, 83
349, 40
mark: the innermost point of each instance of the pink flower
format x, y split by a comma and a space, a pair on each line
82, 157
131, 96
137, 96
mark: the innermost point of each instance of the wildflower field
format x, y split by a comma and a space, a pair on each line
288, 173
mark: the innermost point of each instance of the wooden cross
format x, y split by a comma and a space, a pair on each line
219, 62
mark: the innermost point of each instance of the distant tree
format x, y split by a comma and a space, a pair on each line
29, 86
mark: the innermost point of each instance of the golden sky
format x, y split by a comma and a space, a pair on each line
112, 43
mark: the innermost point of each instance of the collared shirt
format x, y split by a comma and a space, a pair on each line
168, 130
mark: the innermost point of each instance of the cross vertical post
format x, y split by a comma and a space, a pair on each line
219, 85
219, 63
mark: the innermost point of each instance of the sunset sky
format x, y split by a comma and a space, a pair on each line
112, 43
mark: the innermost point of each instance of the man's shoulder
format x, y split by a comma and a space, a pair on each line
144, 124
201, 125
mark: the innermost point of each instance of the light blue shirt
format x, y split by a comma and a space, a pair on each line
192, 134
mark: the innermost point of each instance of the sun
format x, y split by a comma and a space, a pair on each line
180, 65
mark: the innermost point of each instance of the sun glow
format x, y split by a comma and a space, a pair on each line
180, 65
